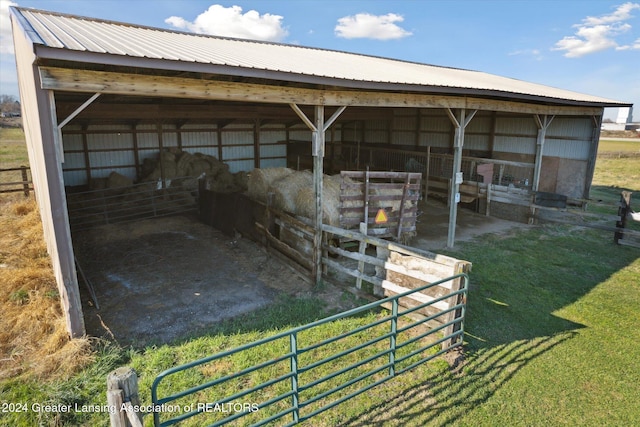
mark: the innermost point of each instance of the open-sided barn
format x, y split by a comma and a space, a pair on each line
102, 100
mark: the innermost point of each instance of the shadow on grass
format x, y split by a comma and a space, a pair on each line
519, 288
444, 398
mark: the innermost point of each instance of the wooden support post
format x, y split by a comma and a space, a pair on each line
460, 123
122, 395
623, 210
543, 123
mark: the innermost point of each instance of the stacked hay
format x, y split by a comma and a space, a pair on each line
175, 164
305, 201
286, 189
260, 180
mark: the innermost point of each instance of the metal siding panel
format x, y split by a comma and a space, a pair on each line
273, 151
148, 140
72, 142
476, 142
111, 158
209, 151
435, 124
191, 139
571, 127
403, 138
233, 153
240, 165
73, 160
516, 126
273, 163
514, 144
435, 140
73, 178
237, 138
106, 141
169, 139
272, 136
129, 172
300, 135
480, 124
577, 150
376, 137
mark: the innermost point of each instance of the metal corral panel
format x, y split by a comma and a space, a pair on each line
571, 127
516, 125
515, 144
576, 150
198, 139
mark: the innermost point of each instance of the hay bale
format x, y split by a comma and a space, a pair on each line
241, 180
305, 201
260, 180
116, 180
285, 190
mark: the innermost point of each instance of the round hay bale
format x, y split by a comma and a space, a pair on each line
184, 164
305, 202
116, 180
286, 189
241, 180
260, 180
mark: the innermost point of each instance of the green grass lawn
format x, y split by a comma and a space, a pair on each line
551, 339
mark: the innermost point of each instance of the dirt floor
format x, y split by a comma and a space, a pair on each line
161, 279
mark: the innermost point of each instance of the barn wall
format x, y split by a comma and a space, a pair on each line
45, 160
94, 151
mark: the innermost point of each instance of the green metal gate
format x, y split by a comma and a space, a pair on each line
310, 377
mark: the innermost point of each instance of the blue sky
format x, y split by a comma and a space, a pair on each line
589, 46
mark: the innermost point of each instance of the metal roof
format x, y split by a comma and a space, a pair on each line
63, 36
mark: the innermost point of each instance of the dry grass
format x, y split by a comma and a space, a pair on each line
33, 337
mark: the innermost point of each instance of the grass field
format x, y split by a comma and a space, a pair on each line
551, 336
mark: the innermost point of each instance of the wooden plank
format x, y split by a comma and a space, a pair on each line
421, 298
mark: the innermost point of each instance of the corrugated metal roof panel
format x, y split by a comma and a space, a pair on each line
76, 33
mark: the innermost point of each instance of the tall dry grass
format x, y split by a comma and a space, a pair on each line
33, 337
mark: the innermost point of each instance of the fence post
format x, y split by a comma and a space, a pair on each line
293, 347
623, 212
25, 180
122, 391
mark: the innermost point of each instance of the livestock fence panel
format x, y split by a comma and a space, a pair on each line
297, 374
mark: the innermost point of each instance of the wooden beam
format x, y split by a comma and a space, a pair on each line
76, 80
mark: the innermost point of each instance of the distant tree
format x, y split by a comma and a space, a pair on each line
607, 120
9, 104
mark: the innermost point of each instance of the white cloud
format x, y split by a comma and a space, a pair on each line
599, 33
533, 53
365, 25
231, 22
6, 39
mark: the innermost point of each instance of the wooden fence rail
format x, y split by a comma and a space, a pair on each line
25, 185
